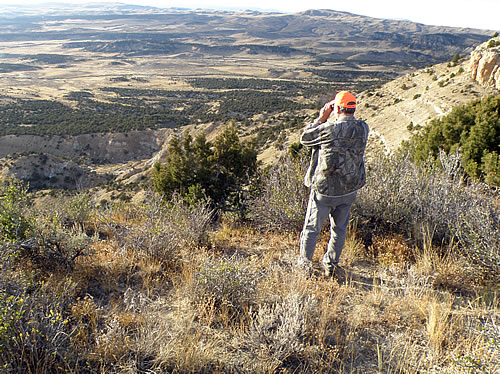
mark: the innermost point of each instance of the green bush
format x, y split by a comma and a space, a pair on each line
220, 170
493, 43
472, 128
14, 222
491, 168
456, 59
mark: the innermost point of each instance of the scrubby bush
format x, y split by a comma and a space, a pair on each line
489, 332
410, 198
157, 228
54, 247
278, 333
35, 329
14, 221
48, 239
228, 284
77, 210
282, 199
60, 234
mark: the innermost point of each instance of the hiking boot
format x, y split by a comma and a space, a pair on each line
336, 272
329, 270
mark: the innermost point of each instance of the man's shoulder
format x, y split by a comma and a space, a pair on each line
345, 119
361, 122
349, 121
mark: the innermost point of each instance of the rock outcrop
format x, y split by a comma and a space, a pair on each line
485, 63
107, 148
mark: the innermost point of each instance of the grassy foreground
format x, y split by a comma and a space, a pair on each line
155, 288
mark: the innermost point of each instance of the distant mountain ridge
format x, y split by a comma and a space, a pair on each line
332, 36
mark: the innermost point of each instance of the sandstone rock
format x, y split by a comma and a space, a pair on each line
485, 63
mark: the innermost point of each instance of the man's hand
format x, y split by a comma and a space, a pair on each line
325, 112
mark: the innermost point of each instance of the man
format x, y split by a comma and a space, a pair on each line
337, 171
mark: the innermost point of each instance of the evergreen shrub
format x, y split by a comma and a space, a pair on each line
197, 168
474, 129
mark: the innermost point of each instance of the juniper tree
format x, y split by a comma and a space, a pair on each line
196, 168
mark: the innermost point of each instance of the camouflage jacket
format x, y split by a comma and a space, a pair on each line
337, 166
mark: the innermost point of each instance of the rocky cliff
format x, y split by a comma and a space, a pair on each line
107, 148
485, 63
81, 161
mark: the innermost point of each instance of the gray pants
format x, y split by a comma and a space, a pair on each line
319, 208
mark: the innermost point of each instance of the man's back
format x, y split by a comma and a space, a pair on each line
339, 169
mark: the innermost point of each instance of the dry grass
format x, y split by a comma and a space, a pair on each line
354, 249
236, 303
397, 322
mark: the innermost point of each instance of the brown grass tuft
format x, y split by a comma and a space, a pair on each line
391, 250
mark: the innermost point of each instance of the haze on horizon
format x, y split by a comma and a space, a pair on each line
481, 14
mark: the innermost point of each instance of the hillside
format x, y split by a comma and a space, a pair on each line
418, 97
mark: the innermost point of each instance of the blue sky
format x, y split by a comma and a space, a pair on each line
483, 14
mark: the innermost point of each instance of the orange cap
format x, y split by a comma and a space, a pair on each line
345, 99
